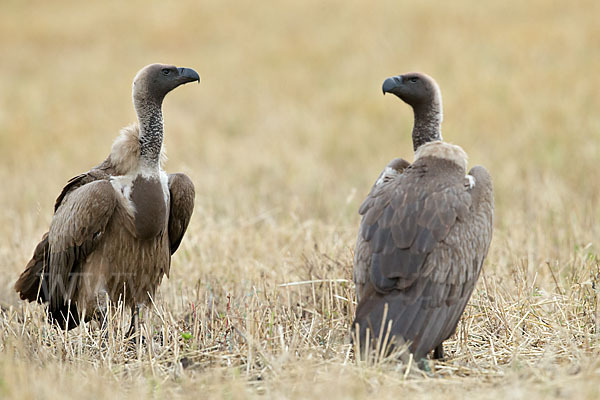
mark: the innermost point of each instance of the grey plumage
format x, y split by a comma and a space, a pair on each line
116, 226
424, 233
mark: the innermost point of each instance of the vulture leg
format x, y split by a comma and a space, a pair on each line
101, 314
424, 366
438, 352
133, 327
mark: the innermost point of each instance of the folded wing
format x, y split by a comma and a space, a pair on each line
421, 244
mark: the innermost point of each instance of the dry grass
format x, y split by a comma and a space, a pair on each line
283, 138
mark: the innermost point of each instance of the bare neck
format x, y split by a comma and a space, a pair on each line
428, 124
151, 131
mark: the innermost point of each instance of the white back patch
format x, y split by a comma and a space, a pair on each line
443, 150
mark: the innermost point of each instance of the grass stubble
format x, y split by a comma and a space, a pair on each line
283, 138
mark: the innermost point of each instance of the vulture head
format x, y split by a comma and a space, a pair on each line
416, 89
154, 81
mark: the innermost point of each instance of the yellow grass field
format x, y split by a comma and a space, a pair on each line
283, 138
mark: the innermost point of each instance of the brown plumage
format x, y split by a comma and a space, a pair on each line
425, 231
116, 226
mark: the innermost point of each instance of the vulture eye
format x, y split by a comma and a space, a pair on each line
166, 71
414, 79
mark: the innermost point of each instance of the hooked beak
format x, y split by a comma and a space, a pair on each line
188, 75
391, 83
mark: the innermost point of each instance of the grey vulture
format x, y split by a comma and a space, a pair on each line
116, 226
425, 230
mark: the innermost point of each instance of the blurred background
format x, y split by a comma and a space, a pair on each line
283, 137
288, 128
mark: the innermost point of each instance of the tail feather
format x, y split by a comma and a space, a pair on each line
374, 314
419, 322
401, 319
33, 285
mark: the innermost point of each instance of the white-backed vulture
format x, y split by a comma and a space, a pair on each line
425, 231
116, 226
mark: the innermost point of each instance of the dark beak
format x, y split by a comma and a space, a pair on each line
391, 83
188, 75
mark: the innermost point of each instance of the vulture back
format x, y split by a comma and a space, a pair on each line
423, 237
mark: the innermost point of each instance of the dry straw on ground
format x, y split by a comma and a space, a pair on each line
283, 138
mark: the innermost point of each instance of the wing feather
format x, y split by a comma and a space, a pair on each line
425, 258
34, 283
182, 193
75, 231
